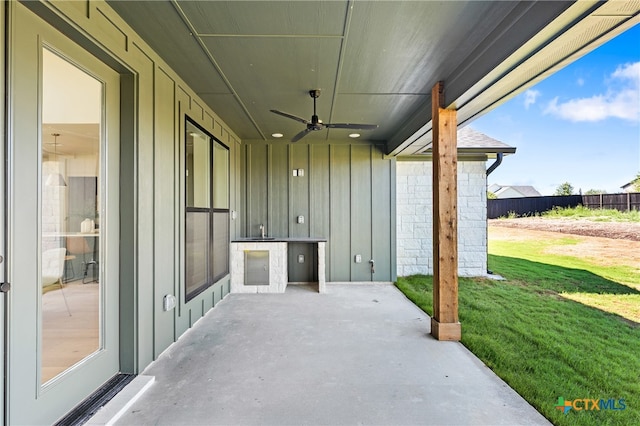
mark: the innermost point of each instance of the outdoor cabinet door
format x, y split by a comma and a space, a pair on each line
63, 124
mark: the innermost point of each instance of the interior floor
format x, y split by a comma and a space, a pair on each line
70, 325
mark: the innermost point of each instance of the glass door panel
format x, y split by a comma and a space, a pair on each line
72, 105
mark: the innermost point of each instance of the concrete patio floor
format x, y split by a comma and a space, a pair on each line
358, 354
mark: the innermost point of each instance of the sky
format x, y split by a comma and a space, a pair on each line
580, 125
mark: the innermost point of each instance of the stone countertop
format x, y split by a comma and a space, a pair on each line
309, 240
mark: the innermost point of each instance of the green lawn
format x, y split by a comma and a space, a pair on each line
543, 344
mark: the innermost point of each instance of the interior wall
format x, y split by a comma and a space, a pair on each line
346, 194
152, 183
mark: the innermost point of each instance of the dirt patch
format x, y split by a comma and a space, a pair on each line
614, 230
606, 251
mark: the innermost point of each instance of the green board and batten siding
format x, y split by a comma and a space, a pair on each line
152, 217
345, 196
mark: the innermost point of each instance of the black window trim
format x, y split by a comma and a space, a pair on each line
211, 279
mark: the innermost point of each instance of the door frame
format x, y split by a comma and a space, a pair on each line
3, 212
127, 280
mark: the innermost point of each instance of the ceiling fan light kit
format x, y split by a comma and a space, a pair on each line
316, 124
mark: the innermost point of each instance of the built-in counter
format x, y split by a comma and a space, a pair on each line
261, 265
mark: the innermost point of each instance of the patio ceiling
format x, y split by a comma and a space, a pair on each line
375, 61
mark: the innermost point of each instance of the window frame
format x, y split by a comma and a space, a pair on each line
211, 276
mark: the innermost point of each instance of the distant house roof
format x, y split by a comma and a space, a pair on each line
471, 141
628, 187
507, 190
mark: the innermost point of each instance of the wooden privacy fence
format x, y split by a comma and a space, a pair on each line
529, 206
623, 202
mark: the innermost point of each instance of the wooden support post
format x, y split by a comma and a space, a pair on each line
444, 323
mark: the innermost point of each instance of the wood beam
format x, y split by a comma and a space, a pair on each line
444, 323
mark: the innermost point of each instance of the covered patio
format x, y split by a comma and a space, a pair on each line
358, 354
206, 134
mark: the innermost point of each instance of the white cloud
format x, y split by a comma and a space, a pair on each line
580, 82
530, 97
628, 71
622, 99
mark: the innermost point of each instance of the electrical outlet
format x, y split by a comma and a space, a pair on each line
168, 302
358, 258
300, 219
301, 258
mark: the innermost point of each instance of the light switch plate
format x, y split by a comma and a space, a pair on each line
301, 258
358, 258
300, 219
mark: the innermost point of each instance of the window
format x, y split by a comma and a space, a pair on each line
207, 210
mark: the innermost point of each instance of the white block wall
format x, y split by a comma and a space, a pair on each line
415, 225
278, 268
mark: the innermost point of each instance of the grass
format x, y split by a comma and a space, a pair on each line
596, 215
614, 289
543, 344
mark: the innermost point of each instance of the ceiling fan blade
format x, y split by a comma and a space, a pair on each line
351, 126
291, 116
300, 135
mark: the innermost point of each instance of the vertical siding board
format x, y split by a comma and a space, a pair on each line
182, 313
235, 171
278, 191
340, 211
145, 210
235, 166
258, 181
164, 202
393, 218
319, 197
381, 216
299, 201
361, 211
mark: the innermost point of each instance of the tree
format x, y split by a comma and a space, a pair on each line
595, 192
635, 184
564, 189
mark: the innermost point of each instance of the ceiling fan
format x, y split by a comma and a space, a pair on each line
317, 124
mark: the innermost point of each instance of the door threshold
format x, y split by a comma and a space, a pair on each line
82, 412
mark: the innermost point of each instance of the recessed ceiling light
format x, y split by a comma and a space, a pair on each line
354, 135
277, 135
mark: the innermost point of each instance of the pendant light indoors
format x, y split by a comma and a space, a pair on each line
55, 179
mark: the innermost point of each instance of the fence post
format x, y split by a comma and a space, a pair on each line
628, 201
601, 201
